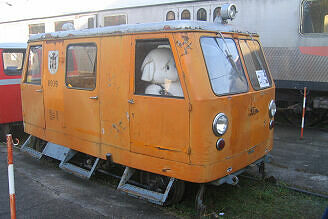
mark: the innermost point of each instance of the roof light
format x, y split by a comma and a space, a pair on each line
228, 11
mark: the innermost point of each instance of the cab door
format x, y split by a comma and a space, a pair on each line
159, 109
32, 89
81, 101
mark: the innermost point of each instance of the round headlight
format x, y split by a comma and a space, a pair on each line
220, 124
228, 11
272, 109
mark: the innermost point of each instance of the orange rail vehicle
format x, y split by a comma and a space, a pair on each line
171, 102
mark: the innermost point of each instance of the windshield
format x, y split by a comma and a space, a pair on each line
255, 63
223, 65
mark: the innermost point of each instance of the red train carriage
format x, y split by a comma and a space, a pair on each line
11, 64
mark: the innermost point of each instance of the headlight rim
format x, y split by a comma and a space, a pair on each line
271, 104
215, 131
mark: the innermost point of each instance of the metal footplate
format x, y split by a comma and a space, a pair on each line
151, 196
25, 148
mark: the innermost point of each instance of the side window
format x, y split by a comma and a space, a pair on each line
255, 63
64, 25
170, 16
13, 61
81, 62
201, 14
36, 28
34, 68
314, 16
185, 15
114, 20
155, 70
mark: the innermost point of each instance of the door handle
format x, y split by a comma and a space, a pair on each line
94, 98
131, 101
39, 90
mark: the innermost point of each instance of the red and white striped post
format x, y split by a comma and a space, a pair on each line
11, 176
303, 114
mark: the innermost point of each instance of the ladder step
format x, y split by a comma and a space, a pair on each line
135, 191
71, 168
32, 152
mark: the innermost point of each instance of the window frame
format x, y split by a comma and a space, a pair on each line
208, 74
20, 71
27, 65
186, 10
167, 13
96, 63
176, 65
198, 11
300, 29
266, 65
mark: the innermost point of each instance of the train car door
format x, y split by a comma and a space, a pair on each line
159, 105
81, 98
114, 92
32, 89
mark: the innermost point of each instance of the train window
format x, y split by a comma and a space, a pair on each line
59, 24
91, 22
36, 28
81, 66
255, 63
13, 61
201, 14
34, 68
114, 20
170, 16
216, 13
185, 15
155, 70
314, 16
224, 66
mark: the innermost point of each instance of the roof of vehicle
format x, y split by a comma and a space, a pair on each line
137, 28
13, 45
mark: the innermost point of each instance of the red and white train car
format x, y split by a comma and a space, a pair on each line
11, 64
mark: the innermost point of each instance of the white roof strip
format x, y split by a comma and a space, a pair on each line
13, 45
135, 28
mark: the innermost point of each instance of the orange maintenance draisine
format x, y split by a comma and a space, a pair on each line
179, 100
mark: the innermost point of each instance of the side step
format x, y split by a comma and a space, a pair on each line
154, 197
25, 148
61, 153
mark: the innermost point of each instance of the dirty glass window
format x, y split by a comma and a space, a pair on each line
155, 70
256, 66
170, 16
34, 68
36, 28
315, 16
13, 61
81, 66
59, 24
224, 66
114, 20
201, 14
185, 15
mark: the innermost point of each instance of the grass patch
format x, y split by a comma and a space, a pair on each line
253, 199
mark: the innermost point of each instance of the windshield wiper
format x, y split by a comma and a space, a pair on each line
229, 57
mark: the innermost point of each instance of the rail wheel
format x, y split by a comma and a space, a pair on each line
158, 183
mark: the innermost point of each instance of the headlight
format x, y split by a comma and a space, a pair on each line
228, 11
272, 109
220, 124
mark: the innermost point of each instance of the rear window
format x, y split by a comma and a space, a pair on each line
34, 68
223, 66
255, 63
13, 61
81, 66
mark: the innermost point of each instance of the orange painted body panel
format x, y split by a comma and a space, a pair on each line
168, 136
